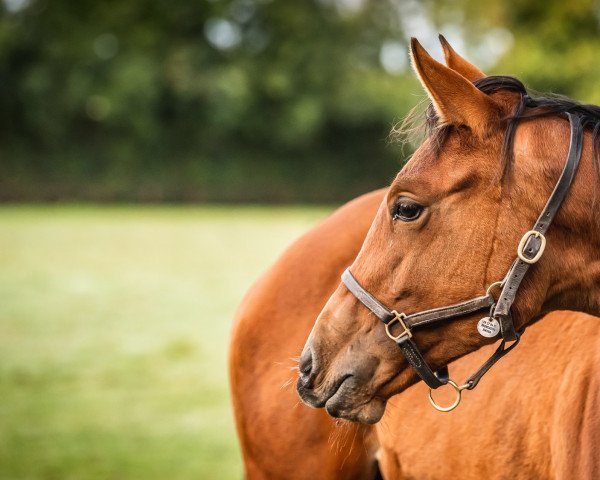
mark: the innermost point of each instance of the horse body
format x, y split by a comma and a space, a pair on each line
280, 437
534, 418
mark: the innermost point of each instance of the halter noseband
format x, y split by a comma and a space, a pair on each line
530, 249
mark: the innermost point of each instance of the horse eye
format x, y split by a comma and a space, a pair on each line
406, 210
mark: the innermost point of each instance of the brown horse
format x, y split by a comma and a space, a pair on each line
448, 229
283, 440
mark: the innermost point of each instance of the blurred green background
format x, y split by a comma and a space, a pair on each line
113, 340
116, 300
247, 100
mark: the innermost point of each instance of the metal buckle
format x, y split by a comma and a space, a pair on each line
398, 317
457, 389
531, 233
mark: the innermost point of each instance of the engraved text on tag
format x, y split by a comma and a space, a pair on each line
488, 327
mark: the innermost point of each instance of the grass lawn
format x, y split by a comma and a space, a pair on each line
114, 324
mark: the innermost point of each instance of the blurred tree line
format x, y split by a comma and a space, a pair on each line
247, 100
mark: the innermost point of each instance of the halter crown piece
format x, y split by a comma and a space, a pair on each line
530, 249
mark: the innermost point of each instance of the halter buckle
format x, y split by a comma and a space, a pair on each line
521, 247
398, 317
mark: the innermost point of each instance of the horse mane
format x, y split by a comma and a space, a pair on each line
425, 124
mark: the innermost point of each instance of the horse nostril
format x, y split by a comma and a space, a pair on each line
306, 364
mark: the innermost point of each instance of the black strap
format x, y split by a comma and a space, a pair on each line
368, 300
405, 342
407, 345
427, 317
519, 268
502, 350
415, 359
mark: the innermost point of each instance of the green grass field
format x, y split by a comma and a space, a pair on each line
114, 325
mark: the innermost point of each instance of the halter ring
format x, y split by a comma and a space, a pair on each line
521, 247
494, 285
457, 389
398, 317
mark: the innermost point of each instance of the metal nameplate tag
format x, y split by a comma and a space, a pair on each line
488, 327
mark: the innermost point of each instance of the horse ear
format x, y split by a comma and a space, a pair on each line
456, 100
458, 63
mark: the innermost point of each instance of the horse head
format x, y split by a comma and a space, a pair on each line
447, 233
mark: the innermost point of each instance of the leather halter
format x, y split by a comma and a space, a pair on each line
529, 251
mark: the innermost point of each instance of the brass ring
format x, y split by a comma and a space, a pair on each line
493, 285
458, 391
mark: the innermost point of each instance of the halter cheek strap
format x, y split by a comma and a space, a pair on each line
530, 249
533, 243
